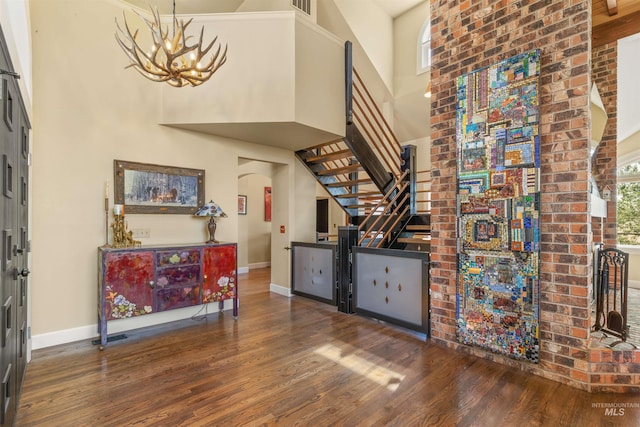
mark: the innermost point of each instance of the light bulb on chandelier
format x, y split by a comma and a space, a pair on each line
167, 61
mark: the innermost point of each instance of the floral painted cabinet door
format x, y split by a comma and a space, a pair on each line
128, 284
219, 281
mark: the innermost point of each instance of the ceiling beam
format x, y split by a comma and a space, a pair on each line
612, 7
615, 29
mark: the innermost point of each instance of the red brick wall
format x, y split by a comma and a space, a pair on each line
610, 369
614, 370
471, 34
604, 72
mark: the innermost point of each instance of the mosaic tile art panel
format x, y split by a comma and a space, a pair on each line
498, 149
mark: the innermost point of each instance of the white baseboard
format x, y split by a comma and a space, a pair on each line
253, 267
635, 284
62, 337
281, 290
90, 332
259, 265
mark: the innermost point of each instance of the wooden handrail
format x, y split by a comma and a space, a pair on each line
372, 114
395, 223
355, 73
385, 143
384, 137
379, 216
386, 196
389, 217
386, 156
400, 186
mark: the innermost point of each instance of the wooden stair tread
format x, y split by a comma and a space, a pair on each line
327, 157
362, 205
324, 144
419, 227
414, 240
356, 195
349, 183
340, 171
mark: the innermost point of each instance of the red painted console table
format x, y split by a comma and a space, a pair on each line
144, 280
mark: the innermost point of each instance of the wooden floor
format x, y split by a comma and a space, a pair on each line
292, 361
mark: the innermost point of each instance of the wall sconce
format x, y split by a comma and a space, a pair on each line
427, 92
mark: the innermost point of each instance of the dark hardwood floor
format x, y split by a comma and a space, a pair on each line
292, 361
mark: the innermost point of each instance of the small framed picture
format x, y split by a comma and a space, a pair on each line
242, 205
267, 204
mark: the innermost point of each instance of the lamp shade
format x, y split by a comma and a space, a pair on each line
211, 209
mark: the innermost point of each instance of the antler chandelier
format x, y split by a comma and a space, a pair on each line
170, 59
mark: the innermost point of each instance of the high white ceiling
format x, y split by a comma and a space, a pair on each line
396, 7
392, 7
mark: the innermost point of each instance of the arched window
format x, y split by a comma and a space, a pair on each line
424, 47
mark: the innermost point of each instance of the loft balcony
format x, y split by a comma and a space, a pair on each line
283, 84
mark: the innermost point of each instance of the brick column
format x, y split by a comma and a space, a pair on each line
472, 34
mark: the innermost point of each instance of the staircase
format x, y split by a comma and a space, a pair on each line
371, 176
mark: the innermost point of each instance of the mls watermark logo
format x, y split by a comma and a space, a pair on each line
614, 412
614, 409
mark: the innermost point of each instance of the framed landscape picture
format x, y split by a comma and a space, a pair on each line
148, 188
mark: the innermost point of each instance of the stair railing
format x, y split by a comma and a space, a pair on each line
423, 191
372, 123
388, 207
362, 107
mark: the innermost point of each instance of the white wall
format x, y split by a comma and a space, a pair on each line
292, 67
89, 111
254, 233
411, 108
374, 30
406, 33
628, 86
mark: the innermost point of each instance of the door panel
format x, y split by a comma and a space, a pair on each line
10, 261
14, 229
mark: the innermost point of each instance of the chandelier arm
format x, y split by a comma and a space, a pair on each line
206, 49
134, 52
154, 77
212, 63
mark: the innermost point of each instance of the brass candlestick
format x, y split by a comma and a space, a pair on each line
106, 221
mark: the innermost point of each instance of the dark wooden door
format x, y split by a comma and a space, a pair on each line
322, 215
14, 248
21, 247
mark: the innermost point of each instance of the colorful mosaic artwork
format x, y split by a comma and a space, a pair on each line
498, 149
